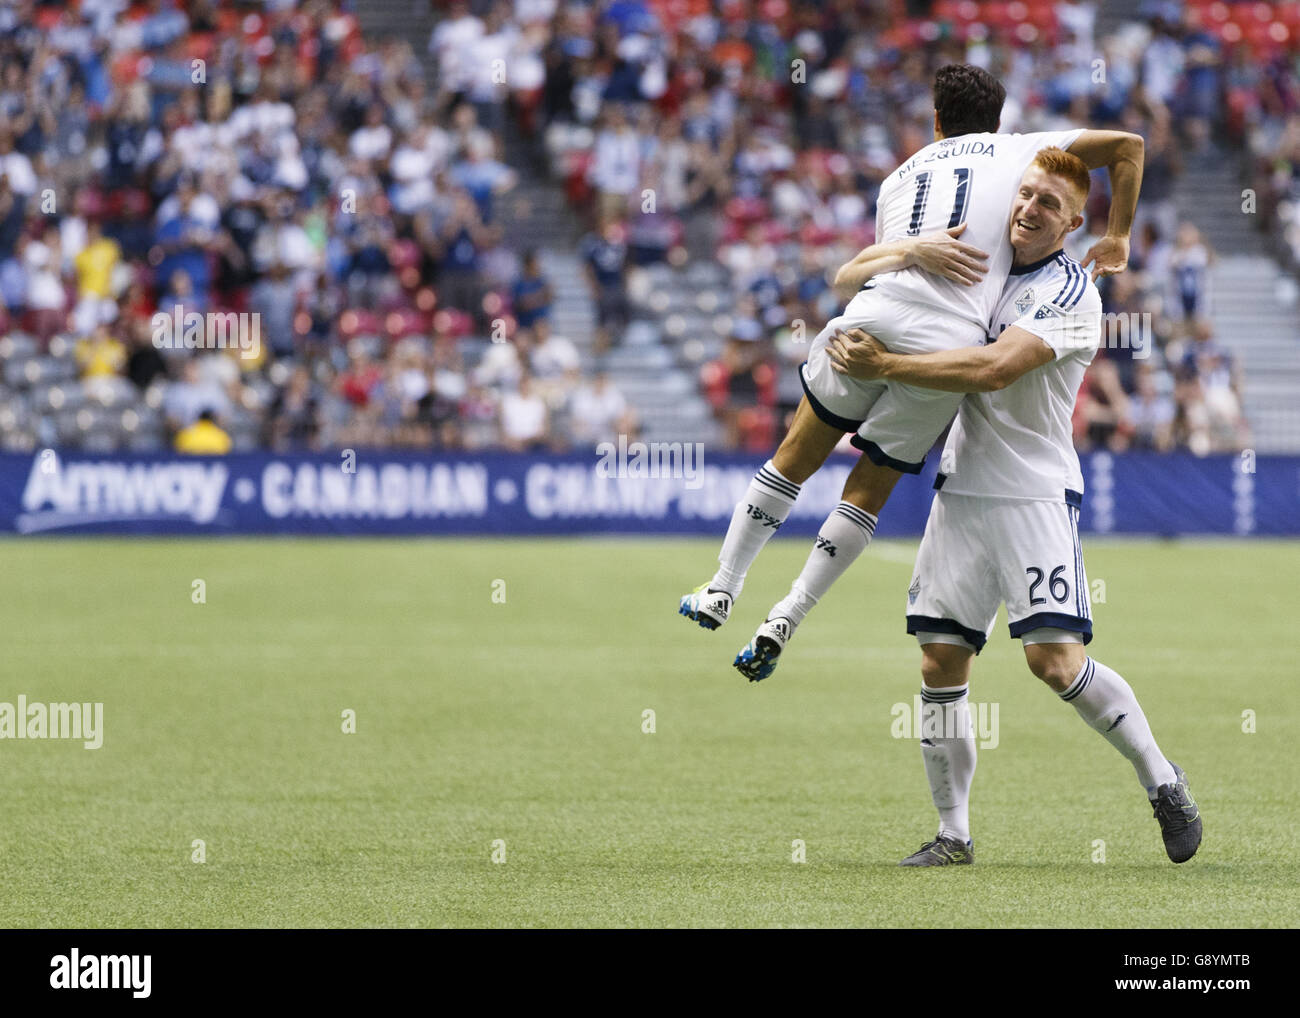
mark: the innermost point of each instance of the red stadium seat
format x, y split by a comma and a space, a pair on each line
358, 322
757, 429
713, 380
368, 323
1258, 38
1215, 14
817, 236
997, 16
236, 302
114, 204
402, 323
1263, 13
746, 210
777, 232
403, 254
863, 235
199, 47
136, 202
1043, 17
227, 21
92, 201
451, 322
1230, 32
126, 68
577, 163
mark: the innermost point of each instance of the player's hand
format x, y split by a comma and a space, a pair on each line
858, 354
942, 254
1110, 254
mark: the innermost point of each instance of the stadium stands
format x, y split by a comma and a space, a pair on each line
368, 179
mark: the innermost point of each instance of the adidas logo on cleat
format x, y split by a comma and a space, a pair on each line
706, 606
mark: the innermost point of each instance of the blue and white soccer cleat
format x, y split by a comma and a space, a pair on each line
709, 608
758, 658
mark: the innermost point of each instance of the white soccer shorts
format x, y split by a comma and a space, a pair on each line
896, 424
979, 552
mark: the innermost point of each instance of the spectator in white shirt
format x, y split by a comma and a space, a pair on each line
374, 140
412, 167
16, 166
552, 356
184, 400
502, 363
555, 364
599, 412
616, 164
524, 418
46, 297
451, 39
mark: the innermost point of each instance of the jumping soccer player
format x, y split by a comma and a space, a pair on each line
968, 176
1004, 525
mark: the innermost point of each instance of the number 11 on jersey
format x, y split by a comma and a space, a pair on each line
959, 201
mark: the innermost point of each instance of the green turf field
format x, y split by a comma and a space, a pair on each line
522, 721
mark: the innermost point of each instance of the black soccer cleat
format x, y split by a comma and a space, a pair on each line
943, 851
1180, 820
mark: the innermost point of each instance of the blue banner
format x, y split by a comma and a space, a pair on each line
635, 489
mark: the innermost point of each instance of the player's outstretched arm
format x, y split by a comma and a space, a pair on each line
1122, 154
970, 369
940, 253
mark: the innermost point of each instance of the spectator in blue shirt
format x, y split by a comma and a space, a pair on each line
605, 256
531, 294
482, 176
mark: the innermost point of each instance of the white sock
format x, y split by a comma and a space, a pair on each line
948, 749
842, 538
1106, 702
766, 504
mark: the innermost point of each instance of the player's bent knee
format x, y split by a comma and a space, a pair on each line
1055, 663
944, 665
794, 460
869, 486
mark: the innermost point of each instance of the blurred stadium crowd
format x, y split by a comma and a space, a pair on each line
266, 157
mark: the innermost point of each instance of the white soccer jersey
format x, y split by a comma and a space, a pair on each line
969, 179
1018, 442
